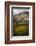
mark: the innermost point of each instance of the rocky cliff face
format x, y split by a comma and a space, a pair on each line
21, 18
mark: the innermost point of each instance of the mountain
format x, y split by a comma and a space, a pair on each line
21, 18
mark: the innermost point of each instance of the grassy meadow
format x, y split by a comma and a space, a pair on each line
21, 29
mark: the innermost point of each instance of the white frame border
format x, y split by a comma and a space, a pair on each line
30, 25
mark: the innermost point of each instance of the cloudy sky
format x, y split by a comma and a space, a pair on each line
17, 11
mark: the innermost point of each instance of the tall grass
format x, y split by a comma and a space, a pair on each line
21, 29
